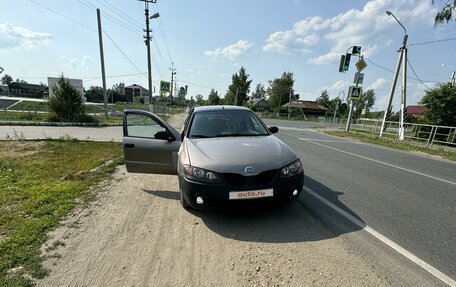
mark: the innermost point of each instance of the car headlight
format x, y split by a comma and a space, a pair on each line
291, 169
199, 174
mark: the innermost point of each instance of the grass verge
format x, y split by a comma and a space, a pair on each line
40, 183
451, 155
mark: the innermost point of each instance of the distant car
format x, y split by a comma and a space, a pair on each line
225, 154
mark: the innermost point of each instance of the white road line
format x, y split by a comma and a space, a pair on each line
380, 162
385, 240
331, 141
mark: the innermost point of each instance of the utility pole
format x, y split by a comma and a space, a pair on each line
289, 104
173, 73
147, 42
401, 60
103, 75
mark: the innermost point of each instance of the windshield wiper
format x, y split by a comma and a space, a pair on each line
199, 136
237, 135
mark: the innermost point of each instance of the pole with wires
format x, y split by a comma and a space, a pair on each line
103, 75
147, 42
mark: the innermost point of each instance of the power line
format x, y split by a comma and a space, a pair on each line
62, 15
162, 32
108, 16
432, 42
121, 14
380, 66
122, 52
410, 65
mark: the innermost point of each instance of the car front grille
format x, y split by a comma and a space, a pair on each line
239, 181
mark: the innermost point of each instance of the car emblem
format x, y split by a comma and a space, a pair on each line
249, 170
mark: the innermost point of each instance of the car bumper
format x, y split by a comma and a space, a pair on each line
217, 195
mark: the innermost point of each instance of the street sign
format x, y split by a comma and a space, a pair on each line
355, 92
358, 78
356, 50
165, 86
361, 64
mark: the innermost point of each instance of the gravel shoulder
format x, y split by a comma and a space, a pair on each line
136, 234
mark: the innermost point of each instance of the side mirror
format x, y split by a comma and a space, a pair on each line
273, 129
164, 135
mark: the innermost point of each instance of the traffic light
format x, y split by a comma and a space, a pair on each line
347, 62
341, 64
356, 50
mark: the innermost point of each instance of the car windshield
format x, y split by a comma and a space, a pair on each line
226, 124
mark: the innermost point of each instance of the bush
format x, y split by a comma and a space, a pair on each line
66, 103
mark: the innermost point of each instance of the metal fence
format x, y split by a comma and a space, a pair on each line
284, 116
428, 135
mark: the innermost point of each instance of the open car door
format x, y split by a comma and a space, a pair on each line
150, 144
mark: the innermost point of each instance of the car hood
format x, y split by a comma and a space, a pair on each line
234, 154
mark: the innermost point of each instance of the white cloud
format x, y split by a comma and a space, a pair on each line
82, 62
337, 86
369, 27
302, 35
15, 37
230, 52
377, 84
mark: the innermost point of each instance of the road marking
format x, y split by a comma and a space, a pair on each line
385, 240
331, 141
380, 162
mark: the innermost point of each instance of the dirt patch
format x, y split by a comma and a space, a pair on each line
19, 148
137, 234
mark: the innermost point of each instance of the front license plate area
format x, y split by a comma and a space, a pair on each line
251, 194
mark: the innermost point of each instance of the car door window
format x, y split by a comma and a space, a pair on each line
142, 126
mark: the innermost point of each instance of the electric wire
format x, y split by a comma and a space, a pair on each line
413, 70
121, 14
62, 15
162, 32
431, 42
115, 44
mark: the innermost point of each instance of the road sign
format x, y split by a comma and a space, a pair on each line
165, 86
356, 50
358, 78
361, 64
355, 92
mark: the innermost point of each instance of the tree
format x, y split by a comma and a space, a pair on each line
323, 100
119, 88
181, 94
213, 98
279, 89
199, 100
239, 88
447, 13
94, 94
366, 101
259, 93
441, 105
7, 79
66, 103
21, 81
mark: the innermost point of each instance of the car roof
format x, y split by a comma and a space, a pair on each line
219, 107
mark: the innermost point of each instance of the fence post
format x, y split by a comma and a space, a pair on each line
454, 134
433, 136
375, 127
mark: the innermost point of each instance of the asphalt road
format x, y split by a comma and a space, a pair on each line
408, 198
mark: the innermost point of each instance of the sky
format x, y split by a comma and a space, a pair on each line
210, 40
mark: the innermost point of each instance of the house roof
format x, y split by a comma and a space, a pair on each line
416, 110
307, 105
25, 86
135, 86
257, 101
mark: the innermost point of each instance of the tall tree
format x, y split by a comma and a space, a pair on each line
323, 100
441, 105
259, 93
180, 99
119, 88
279, 89
7, 79
239, 88
94, 94
199, 100
447, 13
66, 103
213, 98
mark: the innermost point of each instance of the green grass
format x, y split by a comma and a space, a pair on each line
40, 183
451, 155
30, 106
44, 117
